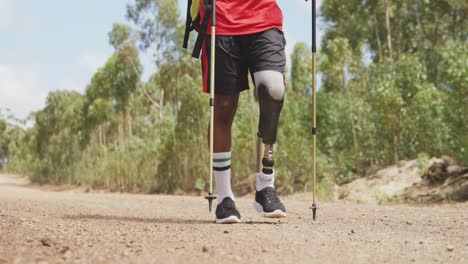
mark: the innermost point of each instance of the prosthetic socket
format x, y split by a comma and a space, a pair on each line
270, 88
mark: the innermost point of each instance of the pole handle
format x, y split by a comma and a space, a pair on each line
213, 15
314, 26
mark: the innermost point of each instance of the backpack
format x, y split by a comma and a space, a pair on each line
193, 23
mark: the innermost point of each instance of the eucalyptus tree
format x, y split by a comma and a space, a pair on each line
125, 72
97, 110
58, 136
454, 78
158, 25
301, 68
156, 22
109, 93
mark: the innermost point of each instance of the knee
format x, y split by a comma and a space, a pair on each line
276, 90
272, 82
225, 110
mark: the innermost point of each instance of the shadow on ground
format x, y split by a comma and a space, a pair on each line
154, 220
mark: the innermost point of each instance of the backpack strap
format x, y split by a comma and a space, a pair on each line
207, 7
188, 25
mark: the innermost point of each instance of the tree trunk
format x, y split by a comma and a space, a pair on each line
130, 123
129, 126
377, 36
158, 48
436, 46
104, 137
395, 146
100, 135
121, 130
124, 126
92, 140
353, 127
439, 141
462, 17
161, 105
389, 30
417, 12
177, 95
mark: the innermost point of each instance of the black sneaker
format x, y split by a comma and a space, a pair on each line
268, 203
226, 212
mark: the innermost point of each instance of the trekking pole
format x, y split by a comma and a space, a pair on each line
211, 196
314, 111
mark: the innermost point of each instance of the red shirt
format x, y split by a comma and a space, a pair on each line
242, 17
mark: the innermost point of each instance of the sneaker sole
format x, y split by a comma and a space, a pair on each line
275, 214
228, 220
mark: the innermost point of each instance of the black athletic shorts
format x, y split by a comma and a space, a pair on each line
236, 55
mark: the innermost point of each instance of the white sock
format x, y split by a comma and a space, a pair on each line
222, 173
265, 180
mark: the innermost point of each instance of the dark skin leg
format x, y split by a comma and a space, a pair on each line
224, 113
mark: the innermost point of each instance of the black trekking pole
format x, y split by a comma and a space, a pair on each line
314, 111
211, 196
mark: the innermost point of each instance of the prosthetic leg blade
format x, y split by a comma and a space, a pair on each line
314, 211
210, 199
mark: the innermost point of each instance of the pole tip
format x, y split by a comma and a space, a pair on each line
314, 211
210, 199
210, 205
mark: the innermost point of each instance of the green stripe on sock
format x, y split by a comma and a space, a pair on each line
222, 160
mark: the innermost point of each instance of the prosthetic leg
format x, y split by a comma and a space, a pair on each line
270, 92
270, 110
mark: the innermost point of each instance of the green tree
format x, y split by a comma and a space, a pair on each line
454, 78
301, 68
58, 136
156, 22
160, 30
4, 139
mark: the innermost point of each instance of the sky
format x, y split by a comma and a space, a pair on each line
50, 45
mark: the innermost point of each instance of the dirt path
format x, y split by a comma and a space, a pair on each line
109, 228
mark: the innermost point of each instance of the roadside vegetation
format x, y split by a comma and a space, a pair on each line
394, 86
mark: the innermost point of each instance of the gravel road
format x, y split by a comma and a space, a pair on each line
37, 225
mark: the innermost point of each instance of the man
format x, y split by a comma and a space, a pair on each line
249, 37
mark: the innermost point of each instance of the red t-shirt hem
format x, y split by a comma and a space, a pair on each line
246, 17
244, 32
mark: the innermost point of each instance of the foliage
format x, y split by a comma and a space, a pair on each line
388, 91
4, 138
423, 162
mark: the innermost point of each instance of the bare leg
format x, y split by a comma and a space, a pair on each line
225, 111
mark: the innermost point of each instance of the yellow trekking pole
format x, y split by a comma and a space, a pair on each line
211, 196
